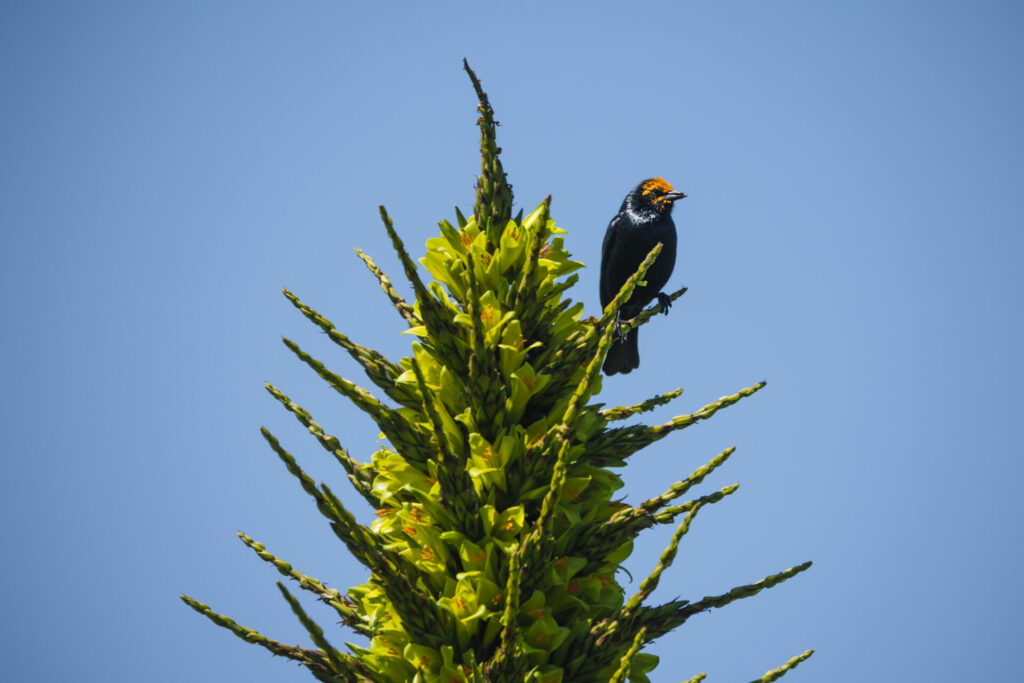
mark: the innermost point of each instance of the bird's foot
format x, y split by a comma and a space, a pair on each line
665, 302
618, 327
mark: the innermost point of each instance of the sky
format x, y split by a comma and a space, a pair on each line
852, 235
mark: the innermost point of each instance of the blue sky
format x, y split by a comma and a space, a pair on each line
852, 235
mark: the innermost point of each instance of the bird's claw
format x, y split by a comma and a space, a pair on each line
665, 302
618, 327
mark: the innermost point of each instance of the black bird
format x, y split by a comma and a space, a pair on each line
644, 220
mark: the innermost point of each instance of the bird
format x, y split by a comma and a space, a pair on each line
644, 220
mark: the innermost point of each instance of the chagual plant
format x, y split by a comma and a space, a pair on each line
497, 542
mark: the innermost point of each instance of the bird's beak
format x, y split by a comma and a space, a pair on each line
672, 196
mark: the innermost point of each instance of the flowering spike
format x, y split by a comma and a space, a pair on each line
336, 660
360, 476
493, 206
403, 308
648, 585
457, 492
403, 435
654, 310
505, 665
494, 553
662, 619
776, 674
379, 369
620, 413
527, 289
680, 488
341, 604
615, 445
315, 661
626, 663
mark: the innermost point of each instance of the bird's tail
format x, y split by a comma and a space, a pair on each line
624, 355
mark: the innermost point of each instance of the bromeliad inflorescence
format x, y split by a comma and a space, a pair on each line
494, 552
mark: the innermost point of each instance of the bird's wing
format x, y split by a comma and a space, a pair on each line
607, 249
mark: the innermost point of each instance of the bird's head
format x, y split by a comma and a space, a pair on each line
653, 194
